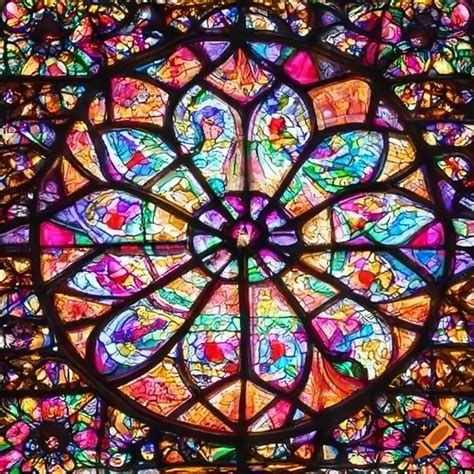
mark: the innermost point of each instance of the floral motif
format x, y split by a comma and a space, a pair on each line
51, 435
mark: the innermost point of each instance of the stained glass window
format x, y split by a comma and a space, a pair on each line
235, 235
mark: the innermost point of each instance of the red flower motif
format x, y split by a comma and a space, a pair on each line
17, 433
53, 409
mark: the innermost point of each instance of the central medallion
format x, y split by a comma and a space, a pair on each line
247, 234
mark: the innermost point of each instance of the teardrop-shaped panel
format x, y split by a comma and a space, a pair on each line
113, 216
211, 348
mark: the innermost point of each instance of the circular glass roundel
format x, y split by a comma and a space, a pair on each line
243, 238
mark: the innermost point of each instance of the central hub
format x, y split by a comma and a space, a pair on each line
245, 233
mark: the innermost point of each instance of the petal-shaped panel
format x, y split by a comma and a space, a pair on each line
279, 342
384, 218
135, 334
349, 330
379, 276
211, 349
279, 129
345, 159
112, 216
210, 130
136, 155
120, 274
241, 78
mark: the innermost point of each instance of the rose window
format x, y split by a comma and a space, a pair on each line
242, 240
